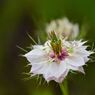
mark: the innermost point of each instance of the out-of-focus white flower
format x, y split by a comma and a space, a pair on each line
63, 28
57, 57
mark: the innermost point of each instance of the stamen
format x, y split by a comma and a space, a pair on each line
59, 57
52, 55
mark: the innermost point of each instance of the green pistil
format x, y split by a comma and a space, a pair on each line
53, 36
55, 43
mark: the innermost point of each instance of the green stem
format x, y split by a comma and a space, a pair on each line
64, 88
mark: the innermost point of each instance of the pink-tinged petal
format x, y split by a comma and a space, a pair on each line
75, 61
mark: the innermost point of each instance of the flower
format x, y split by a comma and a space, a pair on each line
63, 28
57, 57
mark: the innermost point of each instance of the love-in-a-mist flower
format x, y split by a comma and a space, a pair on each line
63, 27
57, 57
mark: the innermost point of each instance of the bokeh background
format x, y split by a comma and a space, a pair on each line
19, 17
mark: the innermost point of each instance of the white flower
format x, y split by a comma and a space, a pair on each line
46, 62
63, 27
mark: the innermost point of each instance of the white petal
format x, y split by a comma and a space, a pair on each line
86, 59
57, 69
80, 69
83, 53
75, 31
74, 68
59, 79
51, 27
38, 47
36, 56
56, 72
39, 68
75, 61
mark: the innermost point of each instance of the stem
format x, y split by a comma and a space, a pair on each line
64, 88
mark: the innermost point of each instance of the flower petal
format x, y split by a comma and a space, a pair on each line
80, 69
56, 72
39, 68
36, 56
75, 61
74, 68
59, 79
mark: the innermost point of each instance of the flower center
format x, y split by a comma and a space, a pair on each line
58, 52
59, 57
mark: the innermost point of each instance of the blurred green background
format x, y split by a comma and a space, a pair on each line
19, 17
